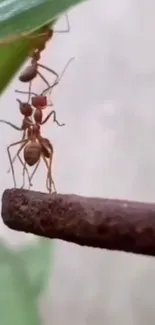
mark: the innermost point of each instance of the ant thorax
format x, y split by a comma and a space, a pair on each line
33, 132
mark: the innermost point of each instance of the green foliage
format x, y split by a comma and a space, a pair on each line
20, 16
23, 276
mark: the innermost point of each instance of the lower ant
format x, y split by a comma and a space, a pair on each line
28, 123
34, 148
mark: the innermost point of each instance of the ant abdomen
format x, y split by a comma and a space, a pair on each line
32, 153
39, 101
28, 74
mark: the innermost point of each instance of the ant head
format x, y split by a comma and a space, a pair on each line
39, 101
25, 108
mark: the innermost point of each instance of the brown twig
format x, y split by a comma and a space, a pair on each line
96, 222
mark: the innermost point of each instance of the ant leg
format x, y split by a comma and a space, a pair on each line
29, 92
54, 119
24, 177
34, 171
67, 30
59, 77
48, 69
47, 147
24, 169
14, 158
42, 77
49, 179
10, 159
25, 92
12, 125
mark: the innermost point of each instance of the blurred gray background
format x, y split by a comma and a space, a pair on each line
107, 100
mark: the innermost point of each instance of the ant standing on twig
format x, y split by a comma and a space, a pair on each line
34, 148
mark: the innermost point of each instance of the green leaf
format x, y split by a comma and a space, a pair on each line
36, 259
17, 302
20, 16
11, 58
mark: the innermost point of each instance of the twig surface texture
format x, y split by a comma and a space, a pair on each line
96, 222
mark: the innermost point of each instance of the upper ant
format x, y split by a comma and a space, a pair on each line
40, 101
31, 71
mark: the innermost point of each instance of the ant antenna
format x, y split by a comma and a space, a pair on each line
11, 124
67, 30
60, 77
25, 92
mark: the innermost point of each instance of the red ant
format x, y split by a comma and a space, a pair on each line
27, 123
32, 71
39, 102
35, 147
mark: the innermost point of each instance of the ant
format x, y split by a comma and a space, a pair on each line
39, 102
31, 71
35, 147
26, 110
